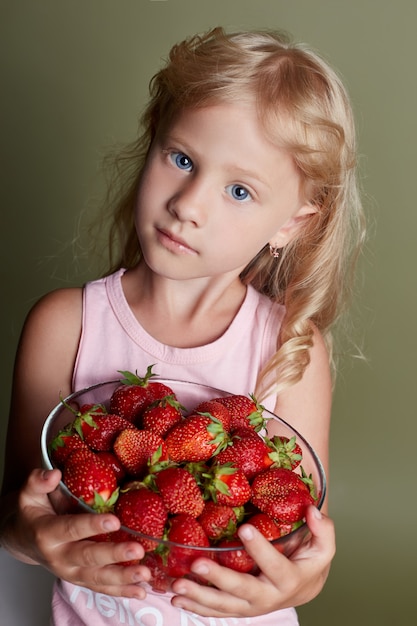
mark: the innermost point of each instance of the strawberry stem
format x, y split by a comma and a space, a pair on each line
131, 378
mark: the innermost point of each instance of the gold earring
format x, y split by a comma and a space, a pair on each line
274, 251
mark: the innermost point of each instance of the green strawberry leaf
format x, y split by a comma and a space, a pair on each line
135, 379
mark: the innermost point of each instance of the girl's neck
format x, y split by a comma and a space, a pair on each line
183, 314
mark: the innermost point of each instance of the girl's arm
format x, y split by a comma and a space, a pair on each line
307, 404
283, 581
30, 530
43, 370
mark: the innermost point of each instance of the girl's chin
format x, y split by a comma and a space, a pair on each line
168, 267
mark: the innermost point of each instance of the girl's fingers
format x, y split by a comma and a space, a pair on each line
323, 536
103, 566
100, 554
207, 601
40, 483
111, 576
235, 593
283, 581
273, 565
70, 528
125, 591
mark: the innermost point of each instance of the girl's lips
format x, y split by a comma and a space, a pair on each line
174, 243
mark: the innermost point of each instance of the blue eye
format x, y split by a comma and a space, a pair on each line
182, 161
238, 193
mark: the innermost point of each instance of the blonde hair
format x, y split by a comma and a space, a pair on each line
305, 109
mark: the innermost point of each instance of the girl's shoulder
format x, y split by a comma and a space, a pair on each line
43, 370
58, 308
52, 327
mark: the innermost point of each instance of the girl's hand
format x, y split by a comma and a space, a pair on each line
62, 543
282, 583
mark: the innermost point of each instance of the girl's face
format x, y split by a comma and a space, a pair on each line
213, 193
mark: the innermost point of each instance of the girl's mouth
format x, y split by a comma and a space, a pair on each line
173, 243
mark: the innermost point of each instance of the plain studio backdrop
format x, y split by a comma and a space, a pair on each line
74, 79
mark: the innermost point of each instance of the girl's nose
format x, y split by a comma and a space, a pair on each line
189, 204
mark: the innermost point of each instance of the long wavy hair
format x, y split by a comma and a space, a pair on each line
305, 109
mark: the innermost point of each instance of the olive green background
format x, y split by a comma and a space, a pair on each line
74, 78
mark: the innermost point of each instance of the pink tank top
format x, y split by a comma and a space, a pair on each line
112, 340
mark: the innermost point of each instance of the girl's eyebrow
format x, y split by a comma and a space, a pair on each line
246, 173
168, 138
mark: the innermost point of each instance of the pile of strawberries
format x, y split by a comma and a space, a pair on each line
187, 477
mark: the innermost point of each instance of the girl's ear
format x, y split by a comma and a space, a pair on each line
292, 227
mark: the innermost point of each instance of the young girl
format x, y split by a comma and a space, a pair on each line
237, 221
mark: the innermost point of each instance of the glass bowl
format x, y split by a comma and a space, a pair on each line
189, 395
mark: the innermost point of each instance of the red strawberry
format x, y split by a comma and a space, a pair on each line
93, 408
286, 528
235, 557
180, 491
218, 520
106, 427
159, 580
110, 459
143, 511
63, 444
266, 525
282, 494
244, 411
136, 393
228, 485
136, 449
161, 415
215, 409
195, 438
69, 438
91, 480
248, 451
84, 417
185, 530
158, 390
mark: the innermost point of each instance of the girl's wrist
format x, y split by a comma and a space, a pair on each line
7, 522
9, 540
